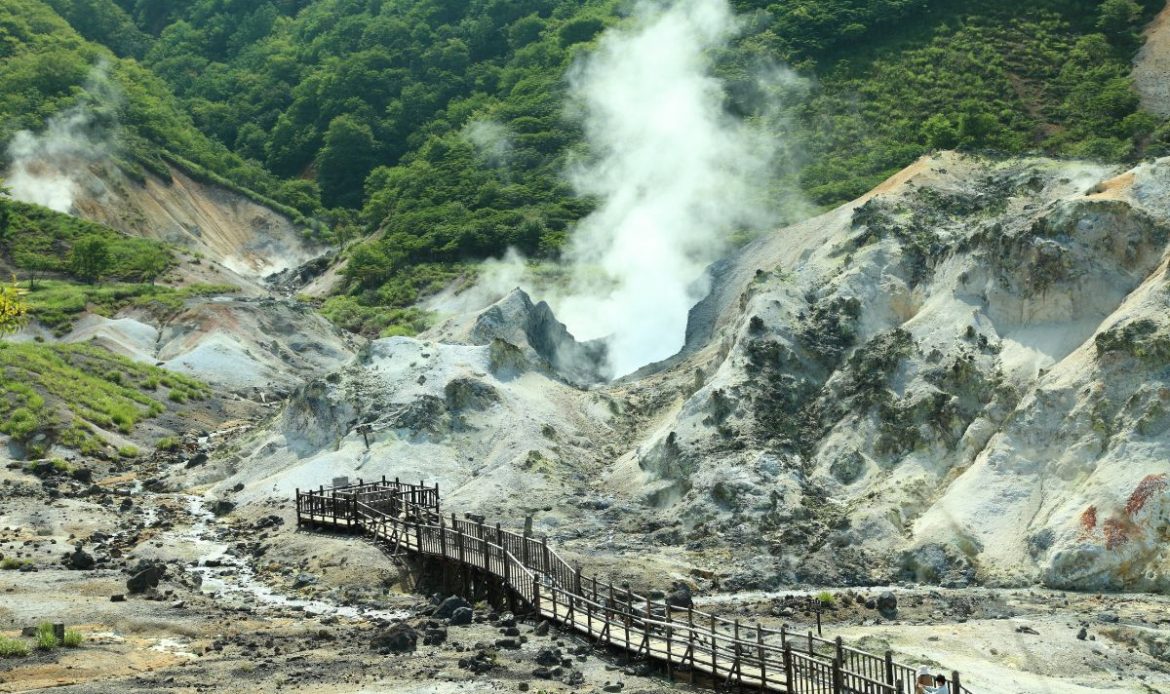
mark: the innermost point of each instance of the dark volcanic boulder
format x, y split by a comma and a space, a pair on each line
400, 638
146, 576
680, 596
447, 608
79, 560
462, 616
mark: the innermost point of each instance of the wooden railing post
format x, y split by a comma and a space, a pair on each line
838, 681
524, 551
536, 595
737, 666
714, 650
889, 667
507, 568
956, 684
544, 550
442, 538
788, 674
669, 638
760, 655
840, 650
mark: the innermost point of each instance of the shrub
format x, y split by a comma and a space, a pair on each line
10, 563
825, 598
12, 648
45, 639
73, 639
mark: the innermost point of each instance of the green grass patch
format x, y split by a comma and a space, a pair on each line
73, 638
45, 640
57, 304
11, 564
351, 314
13, 648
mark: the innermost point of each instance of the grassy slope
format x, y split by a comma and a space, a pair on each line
63, 394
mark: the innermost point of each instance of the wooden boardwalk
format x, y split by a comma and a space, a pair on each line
688, 643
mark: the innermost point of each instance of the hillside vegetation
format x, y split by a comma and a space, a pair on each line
442, 125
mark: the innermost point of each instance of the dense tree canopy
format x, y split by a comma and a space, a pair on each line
438, 127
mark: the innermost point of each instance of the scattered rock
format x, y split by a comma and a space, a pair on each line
304, 580
462, 616
548, 656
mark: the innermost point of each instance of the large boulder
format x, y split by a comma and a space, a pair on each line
79, 560
447, 608
400, 638
538, 333
146, 576
680, 596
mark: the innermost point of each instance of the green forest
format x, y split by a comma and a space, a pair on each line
353, 116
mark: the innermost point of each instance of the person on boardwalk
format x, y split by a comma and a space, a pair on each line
940, 685
924, 684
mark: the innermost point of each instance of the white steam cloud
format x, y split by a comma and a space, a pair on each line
47, 168
491, 140
676, 175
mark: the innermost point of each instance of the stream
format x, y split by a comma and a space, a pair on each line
229, 577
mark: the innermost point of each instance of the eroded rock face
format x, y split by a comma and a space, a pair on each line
534, 328
955, 366
960, 378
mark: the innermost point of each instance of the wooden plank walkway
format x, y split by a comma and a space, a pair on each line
406, 517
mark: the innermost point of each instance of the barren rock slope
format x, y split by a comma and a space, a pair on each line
962, 377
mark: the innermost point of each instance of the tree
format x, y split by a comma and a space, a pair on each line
90, 258
345, 161
151, 262
13, 309
1119, 18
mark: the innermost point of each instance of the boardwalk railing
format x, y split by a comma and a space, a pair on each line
407, 516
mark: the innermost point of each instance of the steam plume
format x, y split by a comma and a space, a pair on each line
675, 174
46, 169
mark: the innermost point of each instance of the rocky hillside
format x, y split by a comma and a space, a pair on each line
958, 378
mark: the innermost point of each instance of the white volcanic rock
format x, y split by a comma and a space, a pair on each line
963, 376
